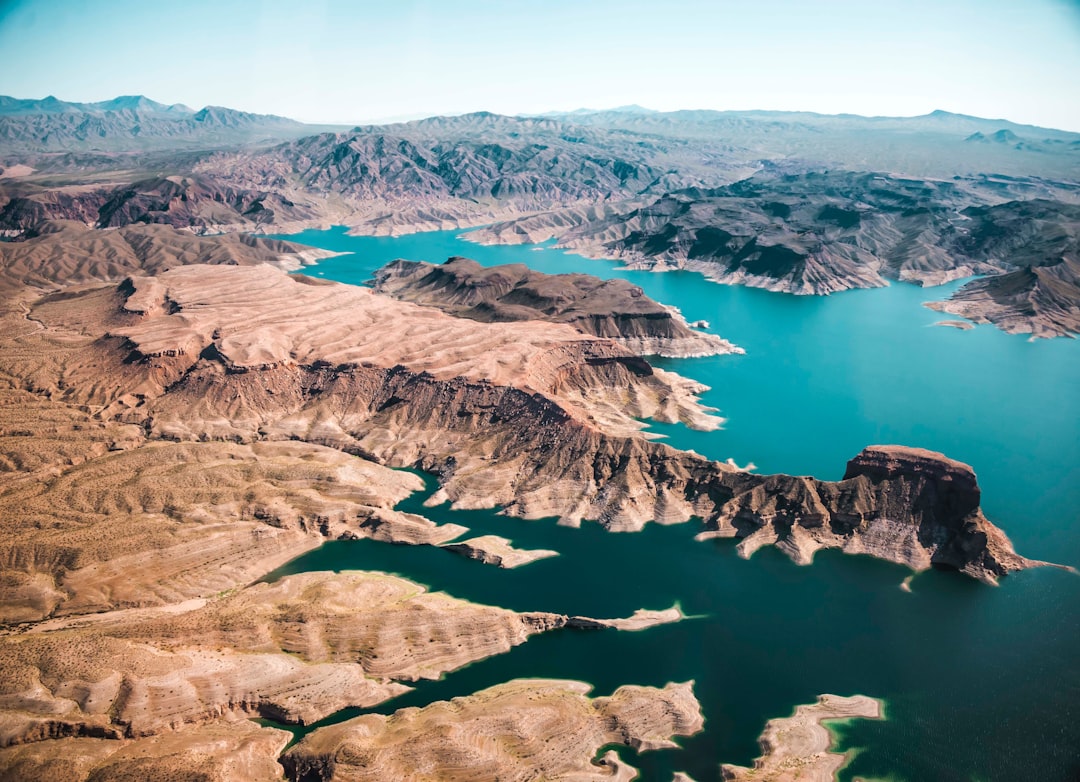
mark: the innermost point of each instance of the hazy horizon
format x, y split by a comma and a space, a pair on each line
401, 119
336, 63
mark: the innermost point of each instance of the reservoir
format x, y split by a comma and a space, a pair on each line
980, 683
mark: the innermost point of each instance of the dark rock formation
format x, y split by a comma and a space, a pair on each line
512, 292
907, 505
819, 233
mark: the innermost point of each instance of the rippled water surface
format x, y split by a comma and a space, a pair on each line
981, 683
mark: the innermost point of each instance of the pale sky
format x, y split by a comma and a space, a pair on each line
351, 62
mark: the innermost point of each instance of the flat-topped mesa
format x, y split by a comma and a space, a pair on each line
942, 496
614, 309
954, 482
907, 505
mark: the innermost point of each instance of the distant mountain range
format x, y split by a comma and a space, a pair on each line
53, 105
134, 123
792, 201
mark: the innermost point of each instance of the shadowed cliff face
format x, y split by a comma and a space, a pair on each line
533, 417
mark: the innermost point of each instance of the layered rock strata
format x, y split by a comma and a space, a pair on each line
534, 417
296, 651
1043, 301
500, 733
512, 292
237, 751
167, 522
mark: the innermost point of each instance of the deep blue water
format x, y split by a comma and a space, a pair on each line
981, 683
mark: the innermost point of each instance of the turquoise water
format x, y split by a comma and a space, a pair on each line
982, 683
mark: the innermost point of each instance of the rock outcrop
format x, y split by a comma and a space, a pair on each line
502, 733
495, 550
614, 309
797, 748
534, 417
906, 505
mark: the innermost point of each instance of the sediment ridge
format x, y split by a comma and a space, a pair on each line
614, 309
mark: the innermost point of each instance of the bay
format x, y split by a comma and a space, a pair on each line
980, 683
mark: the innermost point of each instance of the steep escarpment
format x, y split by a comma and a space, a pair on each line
440, 741
534, 417
907, 505
511, 292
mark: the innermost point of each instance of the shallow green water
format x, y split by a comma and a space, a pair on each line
981, 683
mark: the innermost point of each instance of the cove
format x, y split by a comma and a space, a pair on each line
981, 683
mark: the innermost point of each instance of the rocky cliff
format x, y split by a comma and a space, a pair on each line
614, 309
534, 417
172, 432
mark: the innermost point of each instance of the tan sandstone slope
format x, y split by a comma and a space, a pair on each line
296, 651
172, 431
532, 416
501, 733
